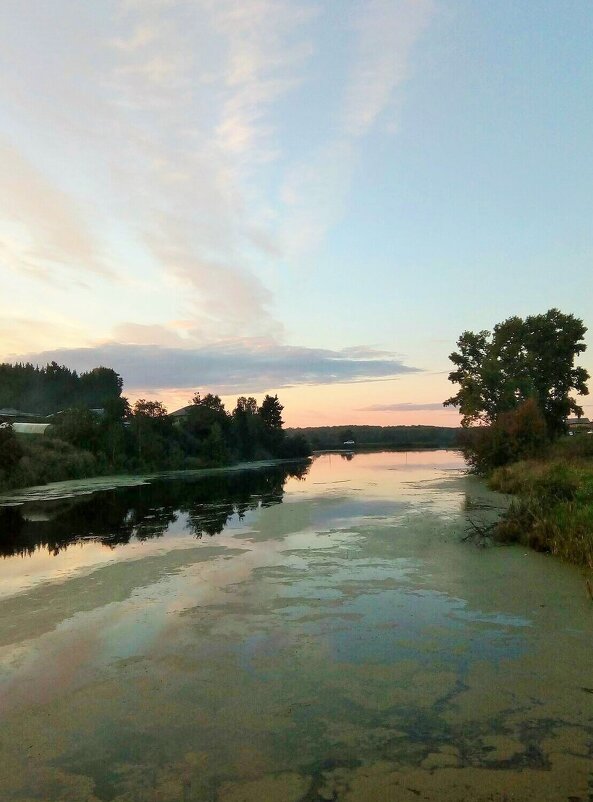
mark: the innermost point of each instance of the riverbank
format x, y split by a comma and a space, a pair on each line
553, 506
95, 484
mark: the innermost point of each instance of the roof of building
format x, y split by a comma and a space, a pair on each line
181, 413
578, 421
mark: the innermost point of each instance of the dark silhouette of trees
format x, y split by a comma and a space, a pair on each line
531, 358
246, 426
515, 383
270, 415
10, 451
94, 429
50, 389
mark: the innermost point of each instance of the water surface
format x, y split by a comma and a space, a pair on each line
288, 635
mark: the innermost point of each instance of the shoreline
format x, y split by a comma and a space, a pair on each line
96, 484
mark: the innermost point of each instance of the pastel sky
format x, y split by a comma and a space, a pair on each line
310, 198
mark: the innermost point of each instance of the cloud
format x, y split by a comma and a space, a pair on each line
20, 334
240, 366
404, 407
315, 191
153, 145
41, 228
153, 119
387, 30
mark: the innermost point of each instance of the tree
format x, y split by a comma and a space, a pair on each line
344, 436
531, 358
100, 385
79, 427
205, 413
150, 423
520, 434
270, 415
10, 451
246, 426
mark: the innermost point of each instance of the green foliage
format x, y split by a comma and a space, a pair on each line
204, 414
272, 433
77, 426
522, 359
50, 389
295, 447
519, 434
113, 437
47, 459
553, 510
214, 449
10, 452
321, 437
246, 427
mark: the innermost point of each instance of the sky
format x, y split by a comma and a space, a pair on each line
305, 198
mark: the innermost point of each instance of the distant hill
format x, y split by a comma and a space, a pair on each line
321, 437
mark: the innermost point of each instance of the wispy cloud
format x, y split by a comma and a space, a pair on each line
404, 407
315, 191
387, 31
161, 112
41, 229
230, 366
147, 147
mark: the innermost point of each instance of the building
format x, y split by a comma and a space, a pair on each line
30, 429
179, 414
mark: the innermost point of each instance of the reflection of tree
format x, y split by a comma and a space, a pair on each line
117, 516
348, 456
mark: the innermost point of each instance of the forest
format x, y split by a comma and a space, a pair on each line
94, 430
330, 437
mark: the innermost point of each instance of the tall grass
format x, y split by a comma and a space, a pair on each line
553, 510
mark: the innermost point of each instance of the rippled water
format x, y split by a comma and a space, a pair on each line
275, 635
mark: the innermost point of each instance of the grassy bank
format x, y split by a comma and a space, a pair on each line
553, 508
46, 460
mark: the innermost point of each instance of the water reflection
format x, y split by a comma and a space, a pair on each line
143, 512
342, 645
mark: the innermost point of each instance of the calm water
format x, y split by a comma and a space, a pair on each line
282, 636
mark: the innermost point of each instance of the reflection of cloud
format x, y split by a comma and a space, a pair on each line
404, 407
229, 366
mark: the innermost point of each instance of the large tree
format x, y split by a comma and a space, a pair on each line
270, 415
521, 359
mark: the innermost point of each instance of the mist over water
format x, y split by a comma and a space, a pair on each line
291, 633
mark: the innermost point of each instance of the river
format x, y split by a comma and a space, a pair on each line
292, 634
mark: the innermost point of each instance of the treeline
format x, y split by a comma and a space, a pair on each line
49, 389
322, 437
107, 435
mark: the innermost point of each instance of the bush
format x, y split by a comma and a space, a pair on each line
516, 435
554, 511
296, 447
10, 453
51, 460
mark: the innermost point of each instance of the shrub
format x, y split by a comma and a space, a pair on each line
520, 434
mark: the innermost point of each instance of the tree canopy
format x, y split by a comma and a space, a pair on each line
520, 360
53, 388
